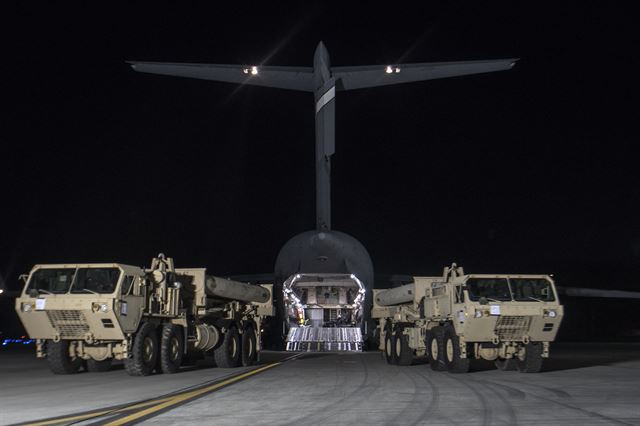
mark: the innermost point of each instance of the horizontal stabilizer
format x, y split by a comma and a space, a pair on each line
382, 75
293, 78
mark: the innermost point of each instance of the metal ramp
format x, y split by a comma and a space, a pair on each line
324, 339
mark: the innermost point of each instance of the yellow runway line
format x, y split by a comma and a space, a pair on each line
186, 396
68, 419
78, 417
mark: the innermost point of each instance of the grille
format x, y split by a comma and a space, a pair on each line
512, 327
69, 324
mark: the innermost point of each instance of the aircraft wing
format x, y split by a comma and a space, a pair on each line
594, 292
293, 78
398, 280
382, 75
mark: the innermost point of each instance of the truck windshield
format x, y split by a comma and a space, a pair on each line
52, 280
491, 288
531, 289
95, 280
75, 280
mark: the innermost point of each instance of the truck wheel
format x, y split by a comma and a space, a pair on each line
435, 349
503, 364
144, 353
455, 364
249, 350
532, 360
403, 353
227, 355
171, 348
60, 362
94, 366
389, 356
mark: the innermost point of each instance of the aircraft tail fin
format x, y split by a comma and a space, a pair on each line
292, 78
361, 77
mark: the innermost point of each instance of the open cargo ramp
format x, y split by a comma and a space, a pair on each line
324, 339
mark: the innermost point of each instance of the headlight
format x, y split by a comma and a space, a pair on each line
100, 307
550, 313
478, 313
26, 307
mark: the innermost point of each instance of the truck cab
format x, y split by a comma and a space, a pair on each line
84, 303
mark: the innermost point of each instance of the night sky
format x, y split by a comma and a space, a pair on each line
531, 170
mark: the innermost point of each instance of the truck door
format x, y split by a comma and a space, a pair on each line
458, 309
131, 303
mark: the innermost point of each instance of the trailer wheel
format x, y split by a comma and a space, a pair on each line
144, 353
403, 353
435, 349
94, 366
171, 348
60, 362
455, 363
249, 347
227, 355
504, 364
531, 362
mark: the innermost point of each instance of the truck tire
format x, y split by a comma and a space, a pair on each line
227, 355
144, 353
435, 349
455, 363
60, 362
532, 360
249, 347
94, 366
389, 354
171, 348
503, 364
403, 353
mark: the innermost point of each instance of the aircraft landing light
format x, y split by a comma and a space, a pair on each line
253, 70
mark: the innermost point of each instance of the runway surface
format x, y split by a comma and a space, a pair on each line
584, 384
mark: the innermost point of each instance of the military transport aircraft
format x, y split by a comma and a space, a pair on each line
323, 277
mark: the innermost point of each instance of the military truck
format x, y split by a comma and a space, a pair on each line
152, 319
508, 319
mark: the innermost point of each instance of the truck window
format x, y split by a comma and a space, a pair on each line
491, 288
531, 289
52, 280
95, 280
126, 285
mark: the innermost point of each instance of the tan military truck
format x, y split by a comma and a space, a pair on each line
509, 319
153, 319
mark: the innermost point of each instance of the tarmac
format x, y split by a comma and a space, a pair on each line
582, 384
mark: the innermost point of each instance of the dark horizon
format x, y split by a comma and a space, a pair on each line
528, 170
